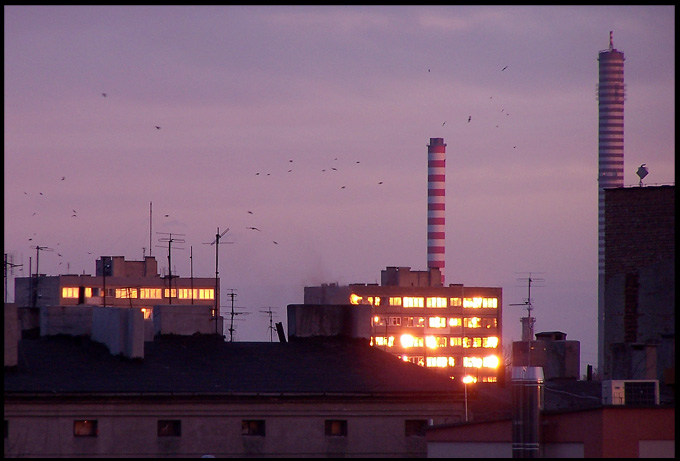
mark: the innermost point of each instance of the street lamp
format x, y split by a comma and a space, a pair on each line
467, 380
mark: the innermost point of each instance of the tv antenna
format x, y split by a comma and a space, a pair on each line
232, 295
528, 321
271, 328
170, 241
217, 244
38, 249
11, 266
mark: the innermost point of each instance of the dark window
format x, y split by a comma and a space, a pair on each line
415, 427
336, 427
85, 428
252, 427
169, 428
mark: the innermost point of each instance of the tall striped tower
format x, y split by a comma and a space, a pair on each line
610, 96
436, 181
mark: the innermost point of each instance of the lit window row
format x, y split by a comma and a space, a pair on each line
490, 361
370, 300
436, 322
73, 292
143, 293
429, 302
433, 342
125, 293
478, 302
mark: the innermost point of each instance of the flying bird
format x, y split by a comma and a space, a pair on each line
342, 187
334, 169
380, 182
275, 242
253, 228
250, 212
469, 118
104, 94
158, 127
504, 68
63, 177
444, 123
167, 215
74, 216
41, 193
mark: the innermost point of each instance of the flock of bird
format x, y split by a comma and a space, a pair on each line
332, 168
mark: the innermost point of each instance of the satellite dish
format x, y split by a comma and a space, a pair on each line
642, 172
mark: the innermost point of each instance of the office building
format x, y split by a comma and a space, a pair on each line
454, 329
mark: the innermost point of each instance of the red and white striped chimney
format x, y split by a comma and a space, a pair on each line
436, 182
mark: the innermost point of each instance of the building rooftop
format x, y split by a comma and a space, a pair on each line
205, 364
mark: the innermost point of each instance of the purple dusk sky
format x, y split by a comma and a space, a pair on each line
311, 123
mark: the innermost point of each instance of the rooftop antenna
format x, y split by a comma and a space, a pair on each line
191, 271
272, 328
217, 243
528, 321
150, 224
232, 295
38, 249
170, 240
642, 172
11, 266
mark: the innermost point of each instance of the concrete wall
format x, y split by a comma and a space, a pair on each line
307, 320
66, 320
12, 334
294, 427
120, 329
184, 319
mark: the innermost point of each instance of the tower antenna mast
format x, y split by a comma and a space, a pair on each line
11, 266
170, 240
271, 326
217, 244
528, 321
38, 249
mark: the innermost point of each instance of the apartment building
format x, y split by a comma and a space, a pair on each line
117, 283
453, 329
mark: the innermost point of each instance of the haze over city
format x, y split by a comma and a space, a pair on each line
304, 131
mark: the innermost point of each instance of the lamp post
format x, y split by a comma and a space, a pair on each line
466, 380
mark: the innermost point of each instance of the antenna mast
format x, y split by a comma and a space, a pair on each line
169, 239
38, 249
217, 243
150, 225
11, 266
528, 321
271, 327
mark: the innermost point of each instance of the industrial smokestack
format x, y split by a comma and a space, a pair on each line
436, 192
527, 404
611, 92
